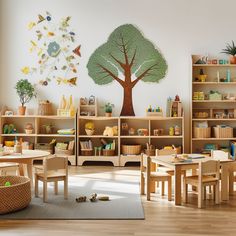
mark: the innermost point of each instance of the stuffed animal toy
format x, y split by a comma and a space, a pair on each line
110, 131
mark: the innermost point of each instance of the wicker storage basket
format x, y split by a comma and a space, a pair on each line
226, 132
63, 152
45, 108
108, 152
45, 147
14, 197
202, 132
131, 149
86, 152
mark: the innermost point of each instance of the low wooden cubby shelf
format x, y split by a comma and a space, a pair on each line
37, 136
143, 125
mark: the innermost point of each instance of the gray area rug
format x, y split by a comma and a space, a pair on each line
125, 201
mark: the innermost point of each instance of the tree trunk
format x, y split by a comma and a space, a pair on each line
127, 108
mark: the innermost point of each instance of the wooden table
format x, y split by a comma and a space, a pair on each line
178, 167
26, 158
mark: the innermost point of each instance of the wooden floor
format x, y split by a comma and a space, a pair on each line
162, 217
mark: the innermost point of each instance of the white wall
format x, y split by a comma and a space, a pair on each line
179, 28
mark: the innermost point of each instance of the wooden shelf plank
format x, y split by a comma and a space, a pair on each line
166, 136
212, 139
214, 83
134, 136
96, 136
42, 117
214, 65
19, 135
57, 135
215, 101
213, 119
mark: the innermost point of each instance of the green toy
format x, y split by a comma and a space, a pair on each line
7, 184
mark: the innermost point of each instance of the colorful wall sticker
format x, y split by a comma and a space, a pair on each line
54, 45
127, 58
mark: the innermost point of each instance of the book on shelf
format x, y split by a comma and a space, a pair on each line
86, 145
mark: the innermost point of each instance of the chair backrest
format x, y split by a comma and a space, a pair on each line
143, 162
220, 155
55, 163
211, 167
163, 152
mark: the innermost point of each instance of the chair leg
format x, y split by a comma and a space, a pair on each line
162, 188
204, 194
170, 189
185, 190
56, 187
45, 193
148, 191
66, 188
36, 187
142, 184
217, 193
200, 193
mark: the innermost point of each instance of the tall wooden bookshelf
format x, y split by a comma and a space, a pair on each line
214, 112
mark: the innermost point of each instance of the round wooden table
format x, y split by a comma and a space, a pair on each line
26, 158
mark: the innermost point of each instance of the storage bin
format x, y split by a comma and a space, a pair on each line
59, 151
45, 147
86, 152
108, 152
201, 132
223, 132
131, 149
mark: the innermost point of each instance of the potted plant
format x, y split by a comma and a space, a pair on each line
26, 92
230, 50
108, 109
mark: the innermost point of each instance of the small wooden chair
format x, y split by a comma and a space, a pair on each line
8, 166
149, 176
209, 175
54, 169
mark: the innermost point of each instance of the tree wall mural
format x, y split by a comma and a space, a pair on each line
127, 58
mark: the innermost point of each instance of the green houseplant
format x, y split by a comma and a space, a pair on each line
230, 50
26, 92
108, 109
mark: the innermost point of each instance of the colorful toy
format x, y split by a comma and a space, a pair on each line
111, 131
7, 184
171, 131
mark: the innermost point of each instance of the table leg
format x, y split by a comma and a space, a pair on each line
21, 169
194, 172
224, 182
177, 185
30, 172
231, 183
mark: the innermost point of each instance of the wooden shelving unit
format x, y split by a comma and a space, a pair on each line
38, 137
149, 123
213, 107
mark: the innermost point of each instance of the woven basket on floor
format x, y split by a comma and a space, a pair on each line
14, 197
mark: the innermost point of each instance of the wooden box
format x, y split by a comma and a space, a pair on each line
45, 108
223, 132
201, 132
155, 113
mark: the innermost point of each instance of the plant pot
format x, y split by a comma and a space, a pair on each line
233, 60
108, 114
21, 110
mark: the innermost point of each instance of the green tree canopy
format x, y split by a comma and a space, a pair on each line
127, 57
